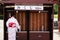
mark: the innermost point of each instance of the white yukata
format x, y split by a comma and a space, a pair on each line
12, 25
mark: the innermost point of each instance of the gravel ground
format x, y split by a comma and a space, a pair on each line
56, 34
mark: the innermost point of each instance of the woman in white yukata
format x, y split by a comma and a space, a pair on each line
12, 25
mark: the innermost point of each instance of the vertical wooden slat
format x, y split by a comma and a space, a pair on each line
42, 18
39, 21
20, 19
42, 21
23, 21
17, 16
46, 21
31, 21
34, 21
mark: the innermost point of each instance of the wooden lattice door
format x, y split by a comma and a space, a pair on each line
37, 20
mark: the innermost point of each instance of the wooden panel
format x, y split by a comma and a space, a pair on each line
38, 28
42, 24
37, 20
38, 35
21, 36
21, 19
34, 21
46, 21
24, 20
30, 21
59, 19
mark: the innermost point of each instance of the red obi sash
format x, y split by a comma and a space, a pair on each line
12, 24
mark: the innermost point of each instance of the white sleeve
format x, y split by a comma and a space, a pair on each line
18, 26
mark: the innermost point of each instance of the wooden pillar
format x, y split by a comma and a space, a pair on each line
59, 17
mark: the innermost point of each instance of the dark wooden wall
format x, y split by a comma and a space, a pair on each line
36, 20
